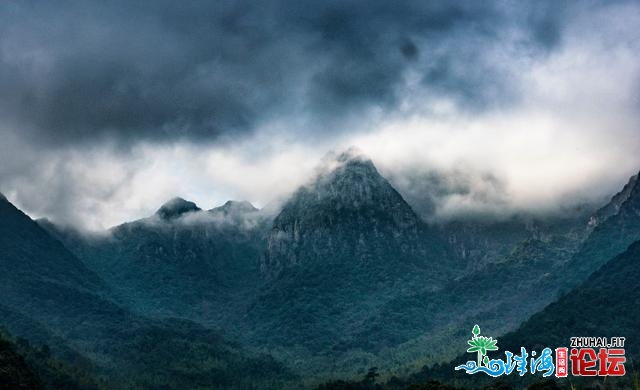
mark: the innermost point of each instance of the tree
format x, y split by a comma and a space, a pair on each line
371, 375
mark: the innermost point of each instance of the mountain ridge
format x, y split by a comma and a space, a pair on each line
610, 236
69, 310
613, 206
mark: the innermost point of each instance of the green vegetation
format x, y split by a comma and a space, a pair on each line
344, 278
26, 366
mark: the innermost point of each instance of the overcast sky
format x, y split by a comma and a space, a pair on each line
107, 109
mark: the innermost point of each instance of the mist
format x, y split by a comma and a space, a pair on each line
468, 109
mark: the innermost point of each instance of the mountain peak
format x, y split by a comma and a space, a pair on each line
349, 208
353, 153
346, 171
235, 207
352, 156
175, 208
347, 181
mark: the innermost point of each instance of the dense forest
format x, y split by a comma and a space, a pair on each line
344, 287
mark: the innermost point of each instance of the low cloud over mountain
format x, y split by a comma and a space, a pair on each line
108, 109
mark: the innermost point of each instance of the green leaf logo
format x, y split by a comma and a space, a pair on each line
481, 345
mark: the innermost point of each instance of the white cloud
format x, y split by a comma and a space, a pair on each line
573, 134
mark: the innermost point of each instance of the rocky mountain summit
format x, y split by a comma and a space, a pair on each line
349, 214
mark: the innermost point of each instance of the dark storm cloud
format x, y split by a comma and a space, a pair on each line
78, 71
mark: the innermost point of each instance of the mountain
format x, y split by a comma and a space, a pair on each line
341, 247
30, 252
180, 262
515, 268
605, 304
41, 279
345, 276
50, 295
614, 228
500, 296
479, 242
338, 249
349, 216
